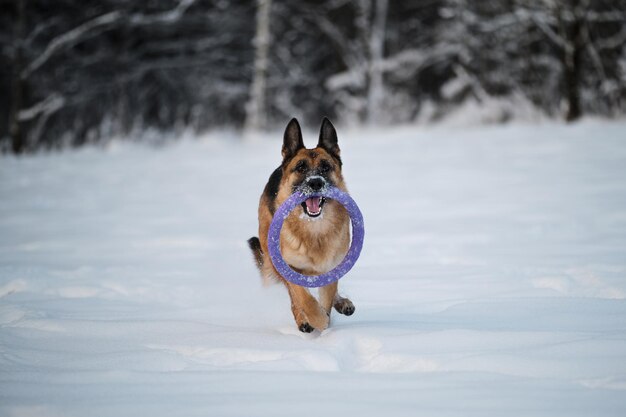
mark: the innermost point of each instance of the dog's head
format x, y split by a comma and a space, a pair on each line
311, 170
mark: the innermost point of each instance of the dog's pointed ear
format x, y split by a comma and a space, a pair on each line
292, 141
328, 138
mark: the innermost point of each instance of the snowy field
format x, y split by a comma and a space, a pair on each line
492, 281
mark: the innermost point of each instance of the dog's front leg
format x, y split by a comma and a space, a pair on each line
306, 310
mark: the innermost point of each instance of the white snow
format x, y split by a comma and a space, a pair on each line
492, 280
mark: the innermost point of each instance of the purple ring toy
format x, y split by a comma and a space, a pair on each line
273, 239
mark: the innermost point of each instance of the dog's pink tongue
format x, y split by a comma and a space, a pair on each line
313, 204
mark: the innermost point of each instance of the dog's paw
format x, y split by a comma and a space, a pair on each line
305, 328
348, 310
344, 306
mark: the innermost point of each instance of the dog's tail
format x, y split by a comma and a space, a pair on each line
255, 247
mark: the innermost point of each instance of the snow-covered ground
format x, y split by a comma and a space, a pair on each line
492, 280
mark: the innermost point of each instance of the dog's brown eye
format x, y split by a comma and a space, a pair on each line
325, 167
301, 167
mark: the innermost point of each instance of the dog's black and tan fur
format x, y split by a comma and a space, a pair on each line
315, 238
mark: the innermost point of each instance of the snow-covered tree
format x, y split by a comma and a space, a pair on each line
101, 68
256, 108
560, 55
75, 72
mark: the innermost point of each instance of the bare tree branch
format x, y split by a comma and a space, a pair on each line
48, 105
99, 24
70, 38
169, 16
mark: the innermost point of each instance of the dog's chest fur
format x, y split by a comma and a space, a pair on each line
316, 246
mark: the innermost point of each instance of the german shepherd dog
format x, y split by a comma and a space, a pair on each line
316, 237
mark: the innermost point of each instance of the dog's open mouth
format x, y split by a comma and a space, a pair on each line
313, 206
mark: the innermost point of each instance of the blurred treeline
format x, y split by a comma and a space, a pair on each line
75, 72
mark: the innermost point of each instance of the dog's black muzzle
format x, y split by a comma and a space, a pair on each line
316, 183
